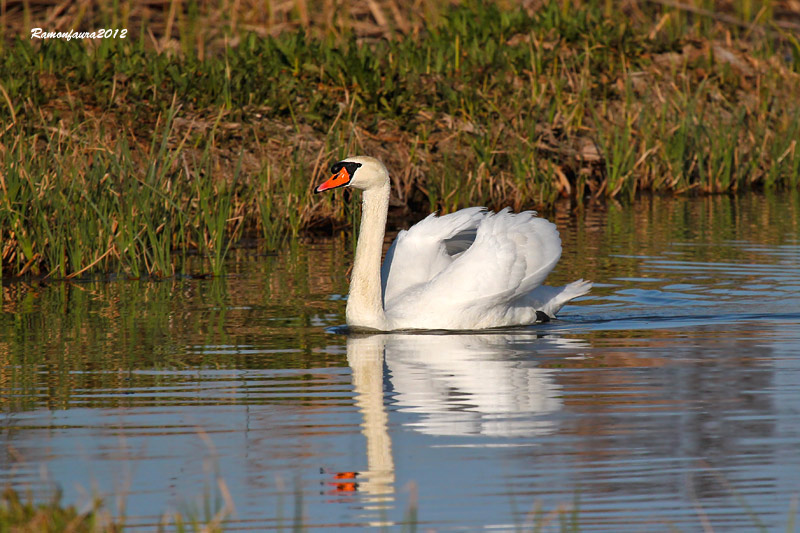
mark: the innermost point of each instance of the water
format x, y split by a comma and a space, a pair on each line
668, 399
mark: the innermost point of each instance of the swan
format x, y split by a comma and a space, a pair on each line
468, 270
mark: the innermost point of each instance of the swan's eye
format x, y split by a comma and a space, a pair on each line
347, 165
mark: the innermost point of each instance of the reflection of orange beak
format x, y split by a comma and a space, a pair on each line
345, 482
340, 179
345, 487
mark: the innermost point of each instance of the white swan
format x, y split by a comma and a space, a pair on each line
468, 270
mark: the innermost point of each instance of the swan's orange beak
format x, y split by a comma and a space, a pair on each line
340, 179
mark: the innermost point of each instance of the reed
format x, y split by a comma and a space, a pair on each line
126, 157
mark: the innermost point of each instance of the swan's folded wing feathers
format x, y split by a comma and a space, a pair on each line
460, 242
512, 254
516, 252
420, 253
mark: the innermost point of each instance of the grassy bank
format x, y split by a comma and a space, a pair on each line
201, 129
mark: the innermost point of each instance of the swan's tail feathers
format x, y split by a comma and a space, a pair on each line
562, 295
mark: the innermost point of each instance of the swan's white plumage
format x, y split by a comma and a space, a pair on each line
420, 253
483, 287
471, 269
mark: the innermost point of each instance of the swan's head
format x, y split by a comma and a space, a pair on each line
361, 172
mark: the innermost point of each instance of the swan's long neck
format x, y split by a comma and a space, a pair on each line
365, 303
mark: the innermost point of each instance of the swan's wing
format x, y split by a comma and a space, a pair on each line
459, 242
420, 253
512, 254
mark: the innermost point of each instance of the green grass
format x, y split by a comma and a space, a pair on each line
129, 156
22, 515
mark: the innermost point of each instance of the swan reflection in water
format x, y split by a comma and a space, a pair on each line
459, 385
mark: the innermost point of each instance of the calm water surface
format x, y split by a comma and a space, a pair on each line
668, 399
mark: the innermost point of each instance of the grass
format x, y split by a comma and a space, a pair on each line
25, 516
205, 129
20, 514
